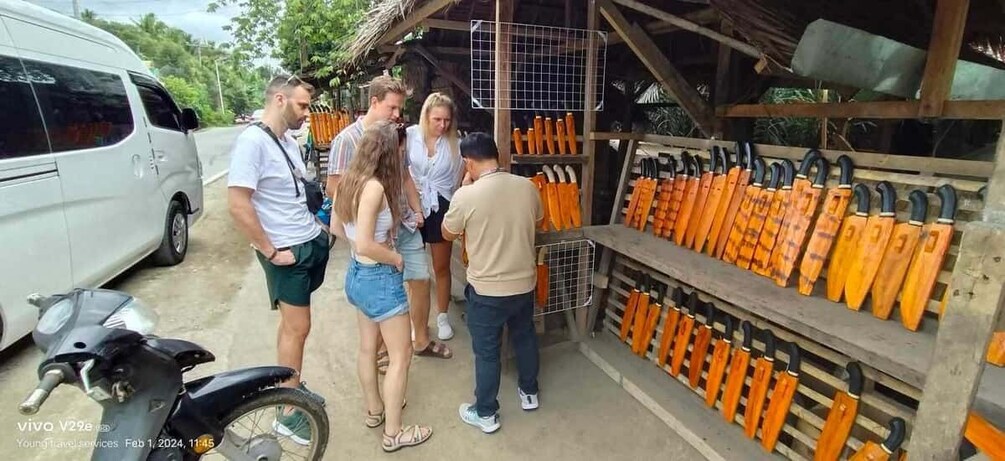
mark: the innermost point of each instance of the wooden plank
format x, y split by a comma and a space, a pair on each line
701, 17
976, 110
433, 23
661, 68
412, 20
943, 49
453, 78
589, 113
502, 113
957, 364
883, 345
678, 21
548, 159
721, 94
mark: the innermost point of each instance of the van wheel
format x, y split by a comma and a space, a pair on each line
174, 245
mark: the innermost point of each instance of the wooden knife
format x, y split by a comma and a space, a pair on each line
572, 199
560, 134
699, 350
628, 316
872, 451
570, 132
665, 192
688, 200
683, 338
758, 215
790, 243
841, 417
737, 375
872, 244
551, 189
739, 227
897, 256
676, 196
847, 245
717, 368
704, 188
711, 207
655, 312
759, 385
670, 326
927, 261
760, 264
781, 401
736, 174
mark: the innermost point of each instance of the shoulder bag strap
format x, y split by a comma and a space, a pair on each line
285, 155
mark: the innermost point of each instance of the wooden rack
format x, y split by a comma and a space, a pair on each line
899, 363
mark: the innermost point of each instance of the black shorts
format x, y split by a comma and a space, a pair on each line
431, 232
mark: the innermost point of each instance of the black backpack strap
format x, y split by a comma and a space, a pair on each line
286, 156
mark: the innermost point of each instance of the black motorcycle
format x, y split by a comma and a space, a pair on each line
100, 342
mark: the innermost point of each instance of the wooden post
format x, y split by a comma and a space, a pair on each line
603, 272
503, 135
723, 83
974, 307
943, 50
589, 146
823, 122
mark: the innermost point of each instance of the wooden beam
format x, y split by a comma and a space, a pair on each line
668, 76
432, 23
720, 92
976, 110
700, 17
678, 21
943, 49
589, 148
957, 364
412, 20
460, 83
501, 113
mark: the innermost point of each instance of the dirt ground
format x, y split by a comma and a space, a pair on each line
217, 299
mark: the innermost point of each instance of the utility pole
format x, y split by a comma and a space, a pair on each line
218, 87
76, 9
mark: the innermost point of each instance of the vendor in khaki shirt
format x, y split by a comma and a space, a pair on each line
498, 213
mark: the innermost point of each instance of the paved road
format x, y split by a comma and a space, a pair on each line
214, 149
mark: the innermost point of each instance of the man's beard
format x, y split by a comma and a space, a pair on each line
292, 122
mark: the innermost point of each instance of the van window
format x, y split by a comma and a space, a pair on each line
160, 108
83, 109
21, 131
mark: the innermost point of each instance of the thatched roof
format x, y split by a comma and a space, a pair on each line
382, 16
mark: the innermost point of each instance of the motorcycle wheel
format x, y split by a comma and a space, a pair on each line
256, 423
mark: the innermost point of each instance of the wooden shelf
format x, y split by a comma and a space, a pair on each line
883, 345
547, 159
543, 238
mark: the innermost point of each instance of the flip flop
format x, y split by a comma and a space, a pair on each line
436, 350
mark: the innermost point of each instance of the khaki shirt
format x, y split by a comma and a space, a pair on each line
498, 215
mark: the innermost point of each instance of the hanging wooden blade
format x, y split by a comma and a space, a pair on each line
847, 245
897, 257
865, 264
927, 261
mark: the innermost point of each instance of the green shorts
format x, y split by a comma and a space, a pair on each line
294, 284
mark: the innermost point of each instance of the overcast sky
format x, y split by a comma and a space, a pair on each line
188, 15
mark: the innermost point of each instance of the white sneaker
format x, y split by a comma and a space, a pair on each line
488, 424
444, 331
528, 401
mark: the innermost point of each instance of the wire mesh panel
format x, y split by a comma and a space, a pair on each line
547, 66
568, 274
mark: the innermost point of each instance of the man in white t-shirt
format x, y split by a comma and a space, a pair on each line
269, 206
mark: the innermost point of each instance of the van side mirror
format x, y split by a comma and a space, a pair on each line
189, 119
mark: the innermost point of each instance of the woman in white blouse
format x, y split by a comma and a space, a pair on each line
437, 168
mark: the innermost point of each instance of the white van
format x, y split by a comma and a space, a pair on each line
98, 166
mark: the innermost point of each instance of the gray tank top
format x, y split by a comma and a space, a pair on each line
381, 229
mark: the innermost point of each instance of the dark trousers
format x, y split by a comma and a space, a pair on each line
486, 316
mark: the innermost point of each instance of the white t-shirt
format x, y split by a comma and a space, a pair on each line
257, 163
436, 175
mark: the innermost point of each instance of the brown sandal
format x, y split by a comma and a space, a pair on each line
416, 435
435, 349
383, 361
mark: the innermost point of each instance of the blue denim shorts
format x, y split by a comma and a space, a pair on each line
377, 290
413, 252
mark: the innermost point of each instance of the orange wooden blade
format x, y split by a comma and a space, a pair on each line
778, 409
575, 211
988, 439
893, 268
654, 315
517, 142
680, 343
758, 216
531, 141
837, 428
711, 208
669, 331
698, 209
570, 131
739, 228
542, 280
716, 371
844, 251
633, 202
676, 199
865, 264
539, 137
662, 206
871, 451
824, 231
555, 205
549, 136
698, 352
790, 243
996, 349
647, 204
734, 383
761, 264
722, 209
570, 202
756, 396
629, 315
686, 207
728, 222
560, 134
923, 272
542, 184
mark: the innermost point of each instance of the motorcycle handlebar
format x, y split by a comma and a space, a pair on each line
50, 380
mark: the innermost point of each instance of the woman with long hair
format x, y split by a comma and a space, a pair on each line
368, 210
437, 170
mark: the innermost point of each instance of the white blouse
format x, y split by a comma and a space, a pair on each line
433, 176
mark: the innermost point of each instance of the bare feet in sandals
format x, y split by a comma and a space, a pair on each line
435, 349
408, 436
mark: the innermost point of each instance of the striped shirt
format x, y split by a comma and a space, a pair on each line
342, 151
